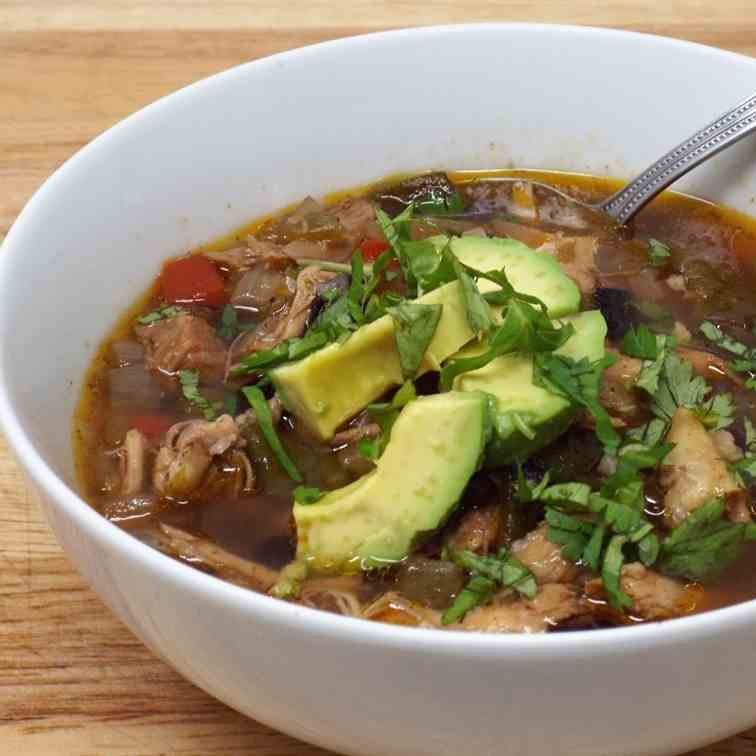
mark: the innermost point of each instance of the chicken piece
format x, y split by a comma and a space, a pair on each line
395, 609
544, 558
655, 596
577, 257
255, 252
725, 445
693, 471
554, 603
188, 450
132, 462
186, 342
618, 393
479, 530
290, 321
197, 550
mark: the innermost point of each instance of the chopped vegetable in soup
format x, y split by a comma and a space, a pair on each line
446, 402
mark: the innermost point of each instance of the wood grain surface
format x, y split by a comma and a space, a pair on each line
73, 680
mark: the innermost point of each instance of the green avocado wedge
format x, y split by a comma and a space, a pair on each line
332, 385
436, 445
528, 417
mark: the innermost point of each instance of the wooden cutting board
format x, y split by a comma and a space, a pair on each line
73, 680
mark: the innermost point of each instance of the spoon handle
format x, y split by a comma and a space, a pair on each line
713, 138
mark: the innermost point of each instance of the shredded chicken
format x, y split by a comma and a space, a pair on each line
554, 603
693, 471
577, 257
618, 392
186, 342
393, 608
681, 333
198, 550
290, 321
132, 462
544, 558
188, 450
479, 530
336, 594
656, 596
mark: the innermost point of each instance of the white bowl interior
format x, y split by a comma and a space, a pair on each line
221, 152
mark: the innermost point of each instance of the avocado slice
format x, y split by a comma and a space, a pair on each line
519, 402
436, 445
335, 383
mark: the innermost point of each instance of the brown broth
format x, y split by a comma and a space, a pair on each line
718, 245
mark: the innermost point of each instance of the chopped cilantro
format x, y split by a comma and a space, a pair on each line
486, 574
307, 495
640, 342
385, 415
658, 252
162, 313
257, 401
579, 382
414, 326
704, 544
746, 356
189, 380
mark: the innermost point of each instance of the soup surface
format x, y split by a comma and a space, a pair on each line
445, 401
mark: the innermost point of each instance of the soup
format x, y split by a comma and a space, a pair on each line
445, 401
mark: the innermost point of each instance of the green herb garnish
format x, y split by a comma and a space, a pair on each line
414, 326
705, 544
487, 573
162, 313
306, 495
746, 356
385, 415
257, 401
658, 252
580, 383
189, 380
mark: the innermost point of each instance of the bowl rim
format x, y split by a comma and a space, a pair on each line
109, 536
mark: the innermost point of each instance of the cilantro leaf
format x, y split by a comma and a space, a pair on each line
385, 415
189, 380
479, 590
414, 326
648, 379
527, 493
579, 382
162, 313
640, 342
746, 362
487, 573
478, 311
704, 544
658, 252
611, 570
307, 495
257, 401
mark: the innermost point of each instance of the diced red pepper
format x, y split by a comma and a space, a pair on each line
193, 279
151, 425
372, 248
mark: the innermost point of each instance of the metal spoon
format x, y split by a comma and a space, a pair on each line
620, 207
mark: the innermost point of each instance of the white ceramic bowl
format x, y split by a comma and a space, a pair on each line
250, 140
